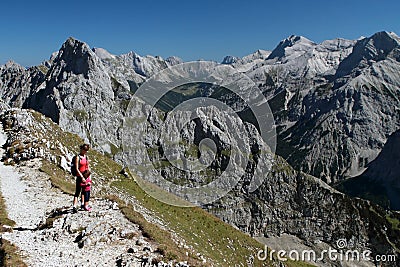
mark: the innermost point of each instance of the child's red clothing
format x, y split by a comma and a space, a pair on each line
86, 186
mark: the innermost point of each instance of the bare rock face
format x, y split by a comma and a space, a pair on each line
47, 229
3, 106
386, 167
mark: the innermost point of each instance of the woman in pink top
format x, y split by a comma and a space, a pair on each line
82, 165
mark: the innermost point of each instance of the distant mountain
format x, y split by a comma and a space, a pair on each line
334, 103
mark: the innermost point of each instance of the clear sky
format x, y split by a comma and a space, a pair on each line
31, 30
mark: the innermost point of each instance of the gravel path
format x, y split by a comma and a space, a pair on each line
27, 195
102, 237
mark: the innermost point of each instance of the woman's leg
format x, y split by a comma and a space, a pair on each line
77, 192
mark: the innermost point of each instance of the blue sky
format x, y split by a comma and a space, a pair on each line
209, 30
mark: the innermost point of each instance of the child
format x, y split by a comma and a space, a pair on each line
86, 189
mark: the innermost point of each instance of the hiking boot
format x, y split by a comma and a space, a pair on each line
74, 209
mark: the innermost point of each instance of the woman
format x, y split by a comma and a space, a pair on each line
82, 165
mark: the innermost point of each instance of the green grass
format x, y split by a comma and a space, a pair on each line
80, 115
394, 222
59, 178
4, 220
9, 256
43, 69
208, 235
168, 248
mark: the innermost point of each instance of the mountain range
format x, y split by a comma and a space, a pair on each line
337, 114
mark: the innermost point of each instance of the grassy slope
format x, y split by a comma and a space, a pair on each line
219, 242
205, 233
209, 236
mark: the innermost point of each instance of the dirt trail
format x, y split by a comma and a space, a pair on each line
102, 237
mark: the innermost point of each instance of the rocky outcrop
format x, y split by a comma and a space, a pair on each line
79, 95
378, 47
3, 106
345, 123
47, 229
289, 202
16, 82
31, 132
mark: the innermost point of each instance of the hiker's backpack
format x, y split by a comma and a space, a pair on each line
73, 165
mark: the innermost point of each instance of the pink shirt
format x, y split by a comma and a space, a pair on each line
83, 163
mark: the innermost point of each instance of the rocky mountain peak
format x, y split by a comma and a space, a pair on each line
330, 128
229, 60
335, 44
144, 65
293, 39
247, 62
173, 60
12, 65
376, 48
261, 54
75, 74
380, 44
76, 56
297, 43
385, 35
102, 53
132, 54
